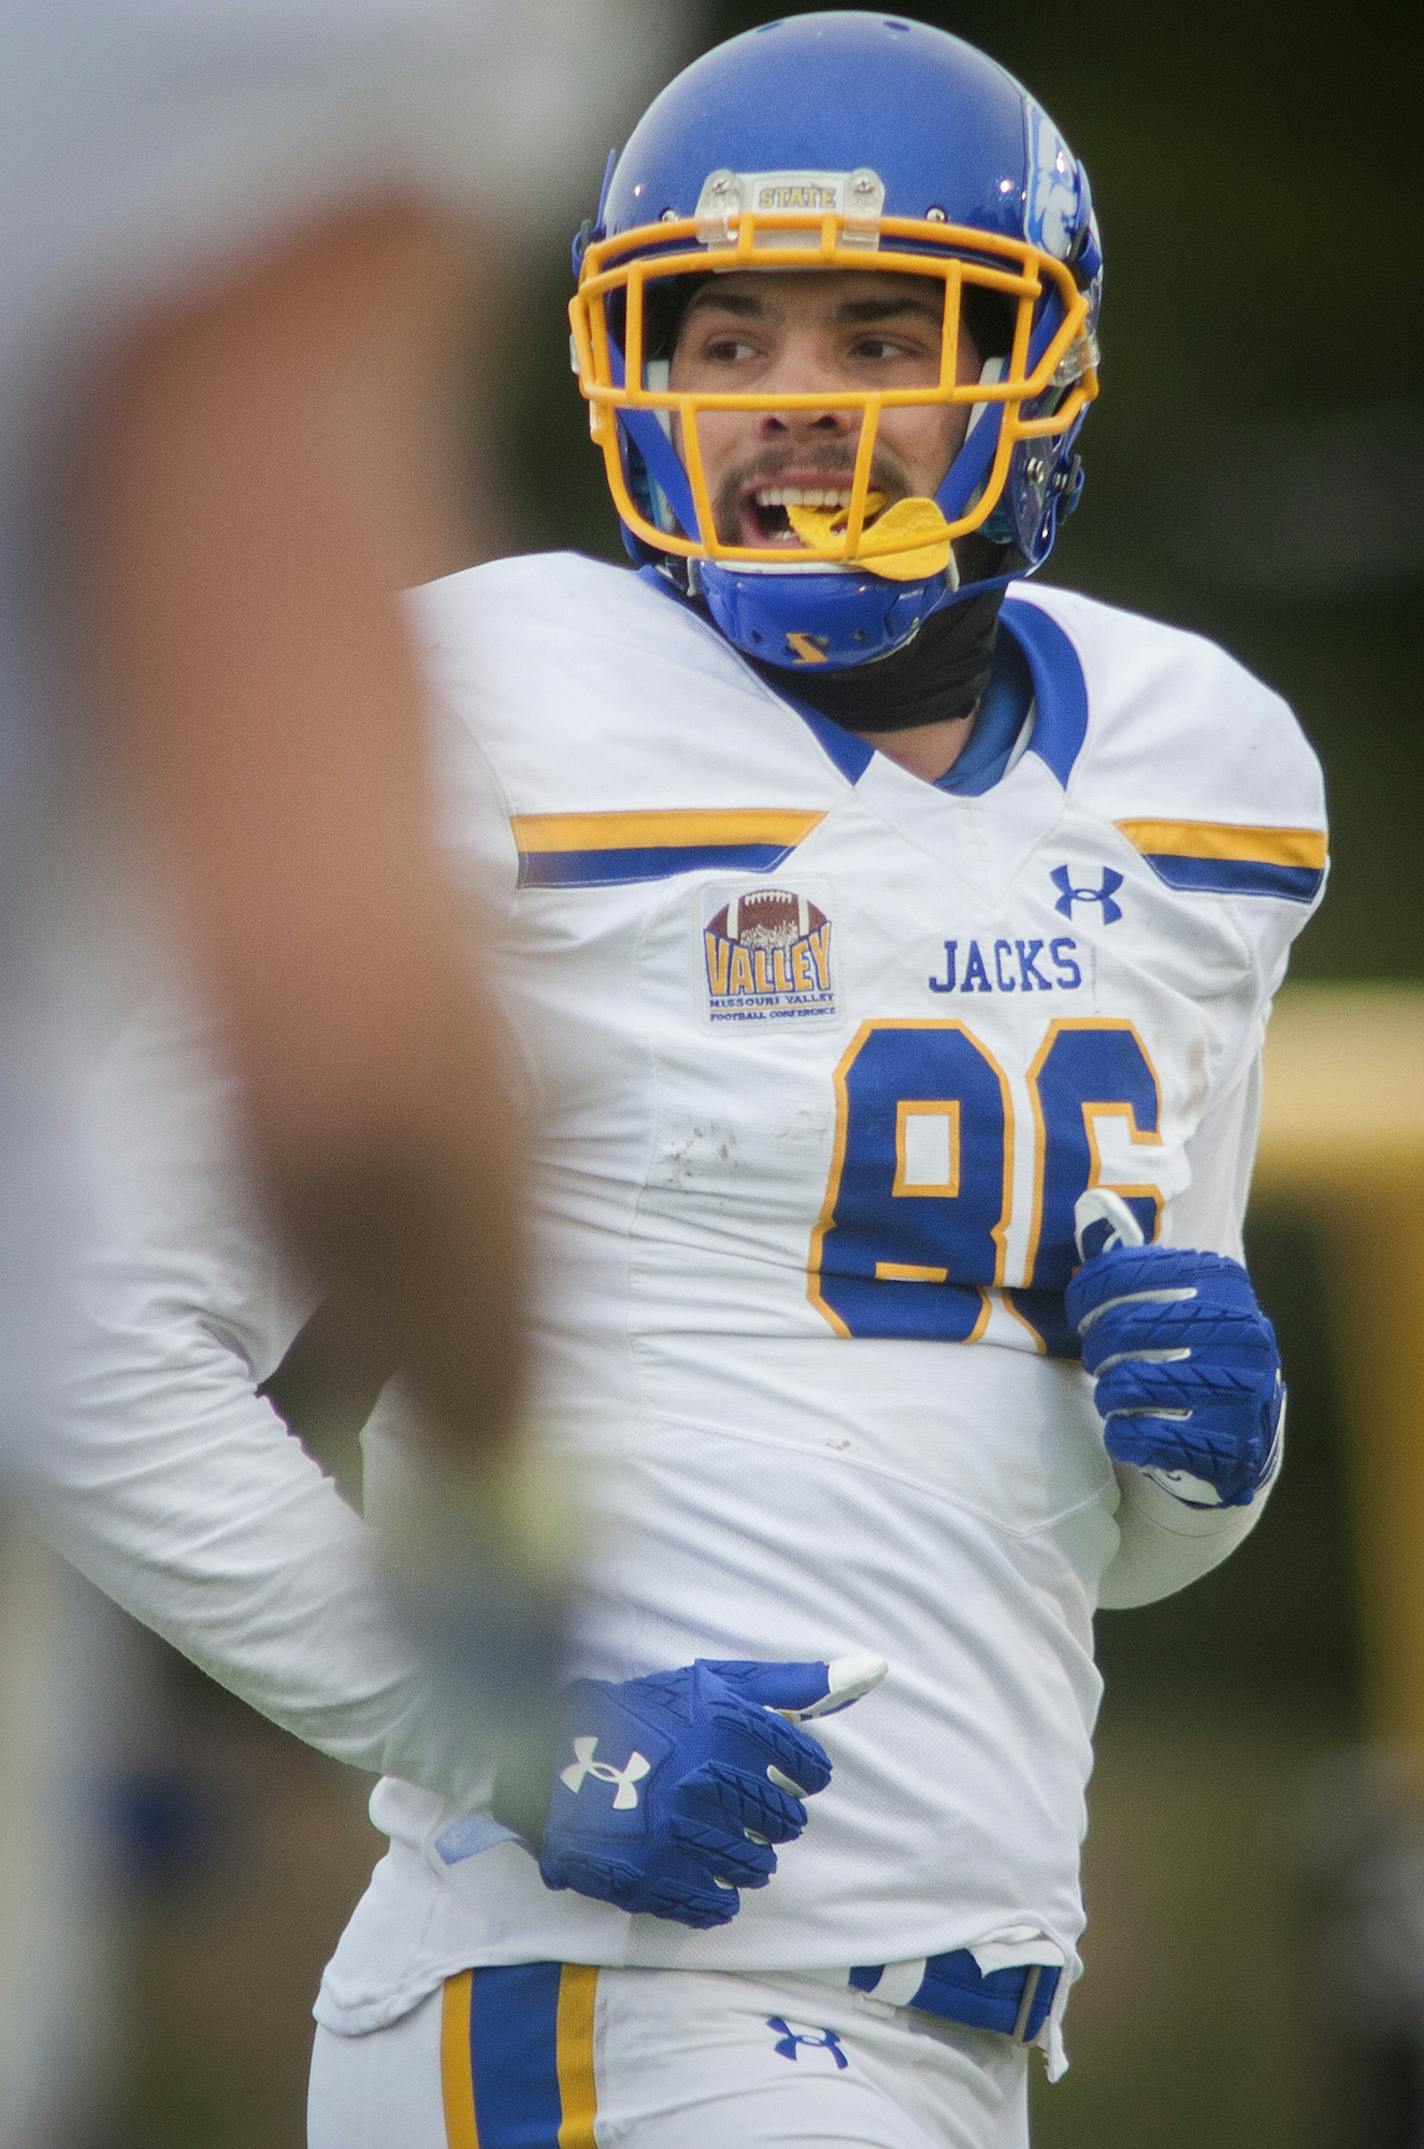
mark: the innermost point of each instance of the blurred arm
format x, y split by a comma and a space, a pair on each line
266, 470
173, 1485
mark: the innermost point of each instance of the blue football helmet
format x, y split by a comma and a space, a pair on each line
845, 141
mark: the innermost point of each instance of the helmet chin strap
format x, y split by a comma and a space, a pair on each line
942, 672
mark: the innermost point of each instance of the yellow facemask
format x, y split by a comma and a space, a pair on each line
909, 539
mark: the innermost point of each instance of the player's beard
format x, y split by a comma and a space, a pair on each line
887, 476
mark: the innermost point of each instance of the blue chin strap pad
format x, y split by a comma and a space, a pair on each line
645, 442
810, 620
966, 474
1013, 520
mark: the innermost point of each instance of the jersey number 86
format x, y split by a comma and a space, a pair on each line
913, 1234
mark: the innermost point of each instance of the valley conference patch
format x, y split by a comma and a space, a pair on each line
767, 957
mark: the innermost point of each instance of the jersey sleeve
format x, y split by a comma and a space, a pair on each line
467, 693
1210, 780
173, 1484
1241, 830
1162, 1544
1211, 1210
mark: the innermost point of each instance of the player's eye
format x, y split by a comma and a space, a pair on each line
727, 350
885, 350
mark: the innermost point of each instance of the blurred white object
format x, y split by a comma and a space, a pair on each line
149, 150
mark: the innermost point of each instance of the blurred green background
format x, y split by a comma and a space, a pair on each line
1255, 471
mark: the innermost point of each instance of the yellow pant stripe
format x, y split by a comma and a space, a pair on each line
456, 2084
578, 2091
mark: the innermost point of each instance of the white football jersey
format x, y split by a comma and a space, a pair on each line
820, 1058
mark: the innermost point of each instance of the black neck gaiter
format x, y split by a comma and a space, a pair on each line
941, 673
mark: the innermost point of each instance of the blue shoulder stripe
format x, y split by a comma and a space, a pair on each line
611, 869
605, 850
1236, 876
1231, 858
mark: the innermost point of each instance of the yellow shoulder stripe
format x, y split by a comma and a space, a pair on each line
1227, 840
673, 829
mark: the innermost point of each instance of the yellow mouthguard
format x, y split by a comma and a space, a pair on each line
918, 523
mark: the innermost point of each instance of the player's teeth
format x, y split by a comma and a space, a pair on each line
802, 496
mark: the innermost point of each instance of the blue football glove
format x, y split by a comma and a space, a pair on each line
1186, 1371
670, 1790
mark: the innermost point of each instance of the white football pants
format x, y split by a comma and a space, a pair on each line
546, 2056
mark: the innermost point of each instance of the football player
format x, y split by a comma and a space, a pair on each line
889, 941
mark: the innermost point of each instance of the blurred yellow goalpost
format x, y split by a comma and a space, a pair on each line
1342, 1150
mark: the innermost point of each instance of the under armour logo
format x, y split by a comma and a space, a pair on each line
627, 1778
788, 2040
1069, 895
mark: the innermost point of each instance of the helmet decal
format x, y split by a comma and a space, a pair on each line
1051, 210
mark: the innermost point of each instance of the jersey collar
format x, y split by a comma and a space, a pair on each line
1055, 684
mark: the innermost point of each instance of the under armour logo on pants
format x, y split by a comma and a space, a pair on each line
627, 1778
788, 2040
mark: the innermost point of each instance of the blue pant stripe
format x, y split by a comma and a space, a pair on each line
514, 2011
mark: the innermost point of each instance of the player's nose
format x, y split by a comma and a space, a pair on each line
821, 420
800, 369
